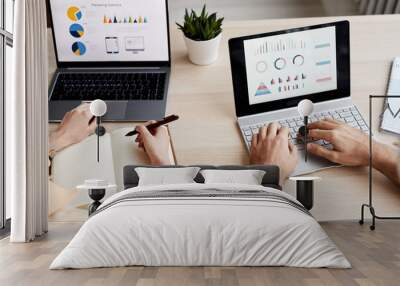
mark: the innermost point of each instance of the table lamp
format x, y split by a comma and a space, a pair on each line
305, 108
96, 189
98, 108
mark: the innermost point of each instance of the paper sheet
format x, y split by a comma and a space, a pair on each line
391, 110
77, 163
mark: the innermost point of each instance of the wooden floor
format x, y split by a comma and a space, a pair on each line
375, 257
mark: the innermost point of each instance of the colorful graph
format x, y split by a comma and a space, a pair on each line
323, 79
262, 90
78, 48
76, 30
321, 46
74, 13
125, 20
322, 63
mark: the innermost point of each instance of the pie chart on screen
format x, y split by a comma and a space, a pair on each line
76, 30
78, 48
74, 13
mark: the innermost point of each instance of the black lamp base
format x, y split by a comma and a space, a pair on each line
305, 193
96, 195
100, 130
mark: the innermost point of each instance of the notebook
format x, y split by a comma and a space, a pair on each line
73, 165
391, 109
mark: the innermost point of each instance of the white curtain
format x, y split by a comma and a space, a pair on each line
26, 123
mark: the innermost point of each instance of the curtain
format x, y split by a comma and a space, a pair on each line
26, 123
379, 6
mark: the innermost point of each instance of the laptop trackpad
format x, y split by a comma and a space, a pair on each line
312, 165
116, 110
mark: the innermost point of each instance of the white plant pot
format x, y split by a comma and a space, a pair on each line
203, 52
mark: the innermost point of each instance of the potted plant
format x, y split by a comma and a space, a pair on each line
202, 35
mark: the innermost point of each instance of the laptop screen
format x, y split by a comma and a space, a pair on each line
276, 70
110, 30
291, 65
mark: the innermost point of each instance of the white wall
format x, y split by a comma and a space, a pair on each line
340, 7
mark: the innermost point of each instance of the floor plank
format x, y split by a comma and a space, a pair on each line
375, 257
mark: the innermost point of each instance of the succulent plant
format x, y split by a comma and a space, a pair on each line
201, 27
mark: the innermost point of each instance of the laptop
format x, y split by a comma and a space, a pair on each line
272, 72
117, 51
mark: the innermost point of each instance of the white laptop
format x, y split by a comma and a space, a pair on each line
272, 72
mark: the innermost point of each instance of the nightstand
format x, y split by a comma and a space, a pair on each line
305, 190
96, 191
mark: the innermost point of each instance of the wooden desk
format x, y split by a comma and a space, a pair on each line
207, 132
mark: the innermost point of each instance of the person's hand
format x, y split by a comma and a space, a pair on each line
351, 148
73, 128
156, 144
350, 145
271, 146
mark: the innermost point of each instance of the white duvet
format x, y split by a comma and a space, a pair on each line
200, 231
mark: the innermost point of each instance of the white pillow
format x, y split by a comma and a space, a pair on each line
248, 177
165, 176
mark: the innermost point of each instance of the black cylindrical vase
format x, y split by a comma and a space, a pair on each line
305, 193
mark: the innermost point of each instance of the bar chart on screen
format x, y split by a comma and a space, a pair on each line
281, 45
125, 19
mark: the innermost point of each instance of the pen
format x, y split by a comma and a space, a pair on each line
154, 125
91, 120
305, 137
303, 131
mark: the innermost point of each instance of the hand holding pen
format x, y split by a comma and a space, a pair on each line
155, 141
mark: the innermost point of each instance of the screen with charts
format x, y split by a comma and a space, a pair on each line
110, 30
291, 65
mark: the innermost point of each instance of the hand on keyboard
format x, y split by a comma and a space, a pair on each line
349, 115
271, 146
350, 145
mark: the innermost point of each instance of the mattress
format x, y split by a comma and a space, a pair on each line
201, 225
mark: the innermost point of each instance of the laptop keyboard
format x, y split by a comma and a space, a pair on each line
350, 116
110, 86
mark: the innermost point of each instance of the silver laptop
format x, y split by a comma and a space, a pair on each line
272, 72
115, 51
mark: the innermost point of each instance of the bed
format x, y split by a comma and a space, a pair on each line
199, 224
